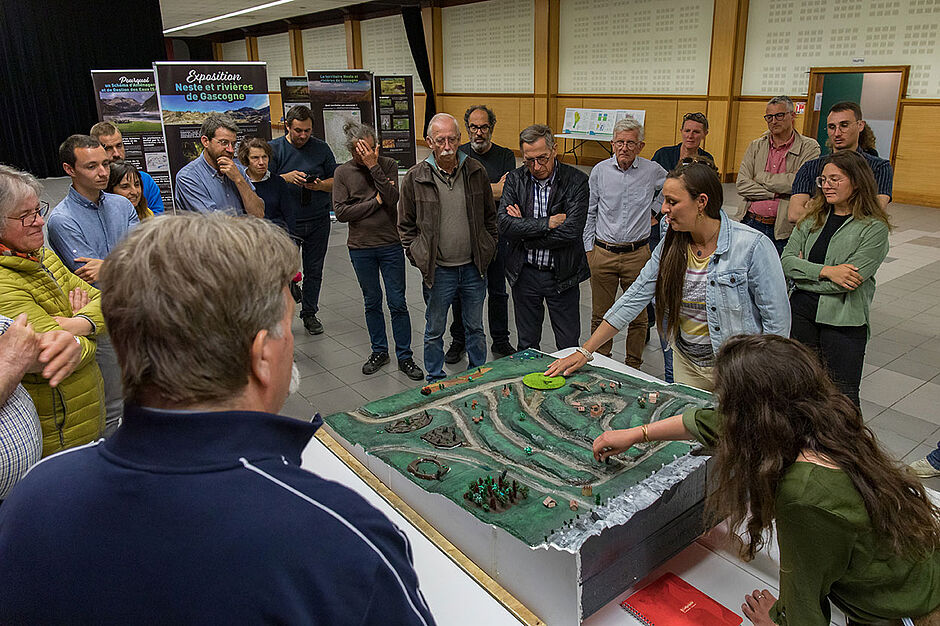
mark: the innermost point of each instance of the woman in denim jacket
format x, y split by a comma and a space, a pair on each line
712, 278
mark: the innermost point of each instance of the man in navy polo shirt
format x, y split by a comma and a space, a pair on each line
307, 164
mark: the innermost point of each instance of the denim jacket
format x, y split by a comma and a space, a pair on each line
746, 291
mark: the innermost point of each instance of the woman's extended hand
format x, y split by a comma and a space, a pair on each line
566, 365
756, 607
614, 442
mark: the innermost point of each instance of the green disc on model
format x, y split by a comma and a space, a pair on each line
538, 380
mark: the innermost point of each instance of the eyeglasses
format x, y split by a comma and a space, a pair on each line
482, 128
832, 181
696, 117
631, 145
30, 218
776, 116
225, 143
541, 160
443, 141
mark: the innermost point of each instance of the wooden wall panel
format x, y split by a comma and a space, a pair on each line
277, 107
509, 120
915, 167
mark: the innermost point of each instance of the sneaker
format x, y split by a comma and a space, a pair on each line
411, 369
501, 349
454, 353
923, 469
313, 325
295, 292
376, 360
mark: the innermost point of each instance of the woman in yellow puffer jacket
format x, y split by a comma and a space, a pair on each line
34, 281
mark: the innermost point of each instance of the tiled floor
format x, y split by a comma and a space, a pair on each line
900, 390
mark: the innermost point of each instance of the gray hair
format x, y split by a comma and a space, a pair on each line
782, 100
441, 116
630, 123
356, 131
214, 122
15, 187
184, 337
533, 133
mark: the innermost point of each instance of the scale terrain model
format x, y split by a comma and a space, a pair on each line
512, 448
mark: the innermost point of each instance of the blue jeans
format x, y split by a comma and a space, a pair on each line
466, 282
934, 457
767, 229
314, 236
389, 261
651, 315
497, 304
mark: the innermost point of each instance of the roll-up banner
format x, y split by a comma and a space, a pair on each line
189, 92
128, 99
335, 98
294, 92
395, 111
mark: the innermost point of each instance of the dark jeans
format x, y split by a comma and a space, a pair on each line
389, 261
497, 306
313, 236
841, 349
535, 287
448, 282
651, 317
767, 229
934, 457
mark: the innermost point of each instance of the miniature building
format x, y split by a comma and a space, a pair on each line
573, 505
549, 502
505, 391
478, 419
596, 410
654, 396
587, 490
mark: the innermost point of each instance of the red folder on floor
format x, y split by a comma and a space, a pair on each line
670, 601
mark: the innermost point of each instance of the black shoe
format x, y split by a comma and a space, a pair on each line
411, 369
454, 353
501, 349
295, 292
376, 360
313, 325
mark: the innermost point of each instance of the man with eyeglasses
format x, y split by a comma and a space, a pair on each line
625, 191
83, 229
844, 125
770, 163
215, 181
542, 215
447, 225
498, 161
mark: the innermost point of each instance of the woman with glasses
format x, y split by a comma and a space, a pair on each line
832, 257
125, 181
711, 276
34, 281
791, 452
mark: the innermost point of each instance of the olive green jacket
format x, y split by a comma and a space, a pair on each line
72, 413
863, 243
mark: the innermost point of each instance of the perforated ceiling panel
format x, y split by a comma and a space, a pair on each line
275, 51
385, 48
785, 39
234, 50
324, 48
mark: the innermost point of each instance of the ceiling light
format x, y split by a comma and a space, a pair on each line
266, 5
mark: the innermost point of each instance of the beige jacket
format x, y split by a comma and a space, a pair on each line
754, 183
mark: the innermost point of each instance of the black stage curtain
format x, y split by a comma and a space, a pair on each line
47, 51
414, 28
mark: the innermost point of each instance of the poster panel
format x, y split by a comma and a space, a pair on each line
294, 91
335, 98
395, 112
190, 92
128, 99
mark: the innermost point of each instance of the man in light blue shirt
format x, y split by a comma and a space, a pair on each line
83, 229
624, 189
214, 181
113, 143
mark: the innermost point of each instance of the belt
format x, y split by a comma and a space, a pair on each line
621, 248
763, 219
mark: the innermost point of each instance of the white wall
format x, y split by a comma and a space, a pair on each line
235, 50
275, 51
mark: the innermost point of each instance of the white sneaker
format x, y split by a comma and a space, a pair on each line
923, 469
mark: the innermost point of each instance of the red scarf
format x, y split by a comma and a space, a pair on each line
5, 251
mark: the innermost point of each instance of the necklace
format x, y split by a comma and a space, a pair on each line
700, 248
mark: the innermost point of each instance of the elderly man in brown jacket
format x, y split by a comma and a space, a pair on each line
447, 224
770, 163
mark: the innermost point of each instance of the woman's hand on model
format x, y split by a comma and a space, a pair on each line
615, 441
845, 275
756, 607
566, 365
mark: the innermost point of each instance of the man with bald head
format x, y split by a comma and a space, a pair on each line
447, 224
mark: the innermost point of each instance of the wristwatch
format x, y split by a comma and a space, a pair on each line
587, 355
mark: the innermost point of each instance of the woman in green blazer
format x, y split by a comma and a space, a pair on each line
832, 257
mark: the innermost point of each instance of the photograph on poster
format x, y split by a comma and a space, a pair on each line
130, 111
254, 109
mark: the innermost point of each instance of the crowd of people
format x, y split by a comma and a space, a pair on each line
139, 337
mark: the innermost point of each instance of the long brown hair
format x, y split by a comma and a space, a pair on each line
698, 177
864, 200
777, 401
120, 169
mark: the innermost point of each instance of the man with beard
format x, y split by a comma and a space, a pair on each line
113, 143
215, 181
498, 161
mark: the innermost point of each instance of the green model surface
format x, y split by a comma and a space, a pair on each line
540, 438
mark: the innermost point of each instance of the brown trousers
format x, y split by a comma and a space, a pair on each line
608, 271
